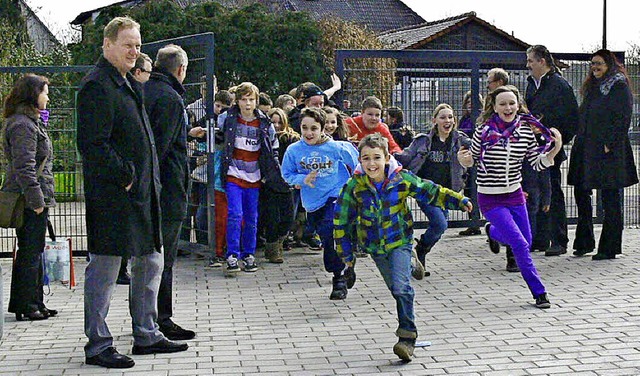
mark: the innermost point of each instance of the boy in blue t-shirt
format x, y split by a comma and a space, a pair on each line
320, 166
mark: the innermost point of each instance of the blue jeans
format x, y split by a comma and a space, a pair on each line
242, 220
321, 221
395, 268
437, 224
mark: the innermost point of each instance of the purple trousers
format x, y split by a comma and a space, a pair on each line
510, 226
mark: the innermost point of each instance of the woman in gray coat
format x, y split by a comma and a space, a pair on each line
29, 155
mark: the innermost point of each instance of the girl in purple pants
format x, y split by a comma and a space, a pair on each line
500, 145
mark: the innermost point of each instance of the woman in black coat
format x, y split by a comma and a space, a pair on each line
30, 159
601, 156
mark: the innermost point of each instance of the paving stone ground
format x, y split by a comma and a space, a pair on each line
279, 321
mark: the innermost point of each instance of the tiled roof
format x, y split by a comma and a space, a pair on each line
417, 35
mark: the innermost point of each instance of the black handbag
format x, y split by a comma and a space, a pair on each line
12, 205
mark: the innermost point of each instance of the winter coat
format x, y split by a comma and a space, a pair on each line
268, 160
358, 130
413, 157
26, 145
381, 221
117, 146
555, 105
167, 114
604, 121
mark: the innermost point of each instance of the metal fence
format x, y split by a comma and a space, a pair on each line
418, 80
68, 216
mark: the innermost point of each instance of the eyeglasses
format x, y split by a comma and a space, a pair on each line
598, 63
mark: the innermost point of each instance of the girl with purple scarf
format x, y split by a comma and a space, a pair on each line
500, 145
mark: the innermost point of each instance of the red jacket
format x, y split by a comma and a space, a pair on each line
357, 128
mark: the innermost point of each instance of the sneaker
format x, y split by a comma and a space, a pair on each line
339, 291
542, 301
250, 265
232, 264
470, 231
494, 246
417, 269
313, 243
216, 262
404, 348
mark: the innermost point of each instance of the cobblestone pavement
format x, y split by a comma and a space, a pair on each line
279, 321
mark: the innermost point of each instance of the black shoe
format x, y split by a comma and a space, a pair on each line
555, 250
603, 256
542, 301
470, 231
582, 252
110, 358
512, 265
494, 246
313, 243
123, 279
49, 312
32, 316
161, 347
350, 277
339, 291
174, 332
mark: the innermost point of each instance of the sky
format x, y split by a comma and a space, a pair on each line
561, 25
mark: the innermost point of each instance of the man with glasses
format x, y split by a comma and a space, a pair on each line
142, 70
550, 98
496, 77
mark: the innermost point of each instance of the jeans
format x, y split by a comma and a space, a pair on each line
471, 191
510, 226
395, 268
242, 220
321, 221
437, 224
27, 275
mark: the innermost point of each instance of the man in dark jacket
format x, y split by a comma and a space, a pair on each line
168, 117
122, 197
550, 98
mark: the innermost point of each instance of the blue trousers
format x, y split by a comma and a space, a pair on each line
395, 268
321, 221
242, 220
510, 226
437, 224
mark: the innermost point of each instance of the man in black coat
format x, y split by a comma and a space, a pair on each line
550, 98
122, 197
168, 117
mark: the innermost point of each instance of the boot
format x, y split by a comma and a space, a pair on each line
421, 251
512, 266
272, 254
339, 291
406, 344
279, 250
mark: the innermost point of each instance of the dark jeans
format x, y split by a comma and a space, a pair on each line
170, 237
321, 221
27, 274
610, 242
471, 191
276, 214
554, 222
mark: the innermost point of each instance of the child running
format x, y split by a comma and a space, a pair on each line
321, 166
374, 200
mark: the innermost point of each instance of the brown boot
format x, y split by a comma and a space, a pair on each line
406, 344
273, 252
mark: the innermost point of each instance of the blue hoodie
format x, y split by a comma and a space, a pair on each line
334, 160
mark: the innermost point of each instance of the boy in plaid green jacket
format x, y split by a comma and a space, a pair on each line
374, 200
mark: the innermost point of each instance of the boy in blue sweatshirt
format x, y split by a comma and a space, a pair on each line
374, 204
320, 166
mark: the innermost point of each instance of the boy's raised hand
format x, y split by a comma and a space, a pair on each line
310, 179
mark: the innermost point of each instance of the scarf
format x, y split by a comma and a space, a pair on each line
607, 83
497, 131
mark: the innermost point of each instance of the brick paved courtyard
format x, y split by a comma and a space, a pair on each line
279, 321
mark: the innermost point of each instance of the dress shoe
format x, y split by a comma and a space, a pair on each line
32, 316
162, 346
603, 256
174, 332
555, 250
110, 358
123, 279
49, 312
470, 231
582, 252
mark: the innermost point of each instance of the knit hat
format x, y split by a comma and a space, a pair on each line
311, 91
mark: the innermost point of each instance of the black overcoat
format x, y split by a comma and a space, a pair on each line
604, 120
117, 148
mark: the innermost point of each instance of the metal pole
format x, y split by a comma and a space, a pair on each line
604, 24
